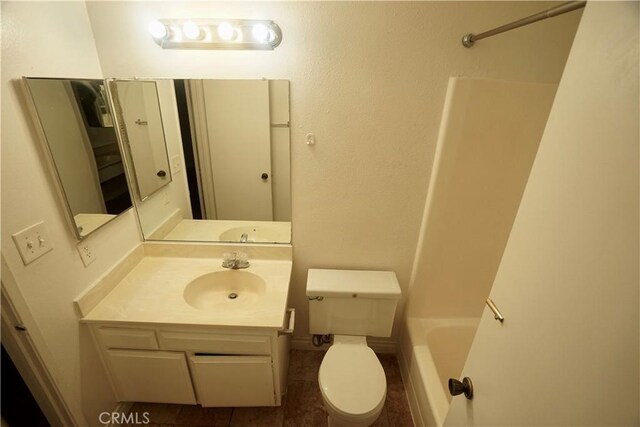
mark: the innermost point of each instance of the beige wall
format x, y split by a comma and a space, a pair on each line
52, 39
369, 79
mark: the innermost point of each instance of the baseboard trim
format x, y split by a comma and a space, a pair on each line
412, 396
376, 345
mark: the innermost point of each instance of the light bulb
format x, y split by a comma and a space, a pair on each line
272, 35
191, 30
260, 32
158, 30
226, 31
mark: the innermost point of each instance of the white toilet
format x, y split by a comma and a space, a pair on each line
351, 305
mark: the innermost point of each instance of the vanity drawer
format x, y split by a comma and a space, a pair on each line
214, 343
142, 339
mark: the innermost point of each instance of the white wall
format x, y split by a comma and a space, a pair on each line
369, 79
53, 39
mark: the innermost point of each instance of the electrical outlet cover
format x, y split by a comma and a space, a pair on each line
86, 254
32, 242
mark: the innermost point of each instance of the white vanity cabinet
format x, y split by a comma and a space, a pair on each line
194, 364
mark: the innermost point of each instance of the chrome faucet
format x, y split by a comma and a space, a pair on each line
244, 238
235, 260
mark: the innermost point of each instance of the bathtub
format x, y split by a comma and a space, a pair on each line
431, 352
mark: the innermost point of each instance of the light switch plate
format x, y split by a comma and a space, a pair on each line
32, 242
176, 164
86, 253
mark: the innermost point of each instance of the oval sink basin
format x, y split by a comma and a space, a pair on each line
254, 234
232, 287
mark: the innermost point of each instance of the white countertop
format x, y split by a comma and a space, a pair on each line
152, 292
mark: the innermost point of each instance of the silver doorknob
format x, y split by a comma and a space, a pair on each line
456, 387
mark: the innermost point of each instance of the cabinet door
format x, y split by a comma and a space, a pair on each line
233, 380
150, 376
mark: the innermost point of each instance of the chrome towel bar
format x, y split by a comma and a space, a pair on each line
496, 312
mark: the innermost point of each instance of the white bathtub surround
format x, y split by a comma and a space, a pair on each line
487, 143
488, 140
433, 351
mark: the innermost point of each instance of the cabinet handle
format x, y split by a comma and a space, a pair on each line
292, 323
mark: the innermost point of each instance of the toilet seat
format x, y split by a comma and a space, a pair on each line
352, 380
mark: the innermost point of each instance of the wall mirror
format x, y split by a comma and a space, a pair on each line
80, 141
227, 143
142, 134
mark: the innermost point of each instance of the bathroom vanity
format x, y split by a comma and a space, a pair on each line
177, 327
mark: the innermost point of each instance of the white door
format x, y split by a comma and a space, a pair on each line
238, 127
567, 353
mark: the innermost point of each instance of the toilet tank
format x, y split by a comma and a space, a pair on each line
352, 302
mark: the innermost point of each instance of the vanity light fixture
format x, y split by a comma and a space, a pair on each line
191, 30
238, 34
158, 30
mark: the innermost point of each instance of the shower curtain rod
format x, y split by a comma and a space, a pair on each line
470, 39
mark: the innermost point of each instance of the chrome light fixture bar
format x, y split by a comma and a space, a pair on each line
234, 34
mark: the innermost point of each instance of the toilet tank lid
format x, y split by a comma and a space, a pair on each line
346, 283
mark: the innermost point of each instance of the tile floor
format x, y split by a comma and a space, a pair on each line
302, 406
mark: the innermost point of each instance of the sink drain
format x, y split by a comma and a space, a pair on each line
233, 295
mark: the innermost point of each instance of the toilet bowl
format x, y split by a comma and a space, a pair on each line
352, 382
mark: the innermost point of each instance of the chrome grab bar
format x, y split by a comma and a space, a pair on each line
496, 312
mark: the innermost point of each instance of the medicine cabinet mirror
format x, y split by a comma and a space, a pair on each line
227, 145
81, 145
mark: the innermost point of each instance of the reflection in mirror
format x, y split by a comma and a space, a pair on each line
138, 107
83, 149
228, 145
